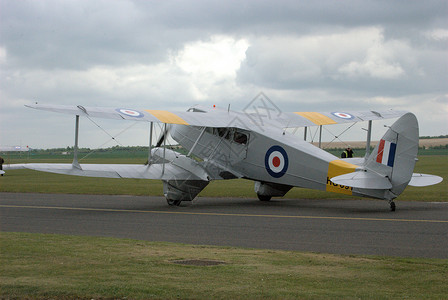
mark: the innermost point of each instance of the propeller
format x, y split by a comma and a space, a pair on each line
164, 135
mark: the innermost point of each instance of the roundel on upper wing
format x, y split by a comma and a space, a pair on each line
343, 115
130, 112
276, 161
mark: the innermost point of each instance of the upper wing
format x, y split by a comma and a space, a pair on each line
302, 119
220, 118
157, 116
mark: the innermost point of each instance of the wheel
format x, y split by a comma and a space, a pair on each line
264, 198
173, 202
392, 206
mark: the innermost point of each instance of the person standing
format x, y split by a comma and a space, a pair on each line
2, 161
348, 153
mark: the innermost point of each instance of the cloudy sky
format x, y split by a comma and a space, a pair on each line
304, 55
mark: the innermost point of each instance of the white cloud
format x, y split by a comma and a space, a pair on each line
199, 71
439, 34
220, 57
2, 55
381, 58
211, 63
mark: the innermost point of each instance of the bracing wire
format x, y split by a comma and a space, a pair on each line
315, 133
111, 136
338, 136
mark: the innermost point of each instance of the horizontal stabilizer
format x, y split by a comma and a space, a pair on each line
153, 171
424, 179
363, 180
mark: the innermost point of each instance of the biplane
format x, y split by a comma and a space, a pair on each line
224, 144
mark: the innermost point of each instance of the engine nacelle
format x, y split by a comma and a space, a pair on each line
178, 190
160, 156
182, 190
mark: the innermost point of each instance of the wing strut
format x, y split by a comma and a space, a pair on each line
369, 136
75, 149
320, 136
150, 143
164, 148
197, 141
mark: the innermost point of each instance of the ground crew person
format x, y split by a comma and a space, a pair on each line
2, 161
347, 153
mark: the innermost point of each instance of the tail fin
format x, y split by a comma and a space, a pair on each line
395, 156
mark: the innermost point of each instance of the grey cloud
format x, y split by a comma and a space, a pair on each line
361, 60
77, 34
56, 52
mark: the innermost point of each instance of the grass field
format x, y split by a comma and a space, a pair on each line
55, 266
65, 267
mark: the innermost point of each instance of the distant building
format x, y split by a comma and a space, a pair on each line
14, 149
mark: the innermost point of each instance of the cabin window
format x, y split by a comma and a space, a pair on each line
240, 138
222, 132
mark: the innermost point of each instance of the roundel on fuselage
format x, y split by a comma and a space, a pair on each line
276, 161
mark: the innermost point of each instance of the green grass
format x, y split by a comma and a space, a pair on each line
40, 182
56, 266
436, 165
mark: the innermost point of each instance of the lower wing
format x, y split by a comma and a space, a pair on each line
165, 171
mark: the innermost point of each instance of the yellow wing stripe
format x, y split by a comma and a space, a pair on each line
167, 117
335, 168
316, 118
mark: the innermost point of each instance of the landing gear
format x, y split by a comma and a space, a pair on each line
173, 202
264, 198
176, 191
392, 205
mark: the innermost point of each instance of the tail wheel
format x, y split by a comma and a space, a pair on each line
264, 198
173, 202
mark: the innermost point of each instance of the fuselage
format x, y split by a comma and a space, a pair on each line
271, 156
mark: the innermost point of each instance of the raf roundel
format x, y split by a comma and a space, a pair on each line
276, 161
130, 112
343, 115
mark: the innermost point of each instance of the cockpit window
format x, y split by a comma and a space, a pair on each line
229, 134
223, 132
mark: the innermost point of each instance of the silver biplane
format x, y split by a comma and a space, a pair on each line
233, 145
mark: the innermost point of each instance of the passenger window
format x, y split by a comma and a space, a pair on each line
240, 138
223, 132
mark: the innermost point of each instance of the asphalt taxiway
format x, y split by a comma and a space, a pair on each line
416, 229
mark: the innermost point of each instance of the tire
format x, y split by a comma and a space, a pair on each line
173, 202
264, 198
